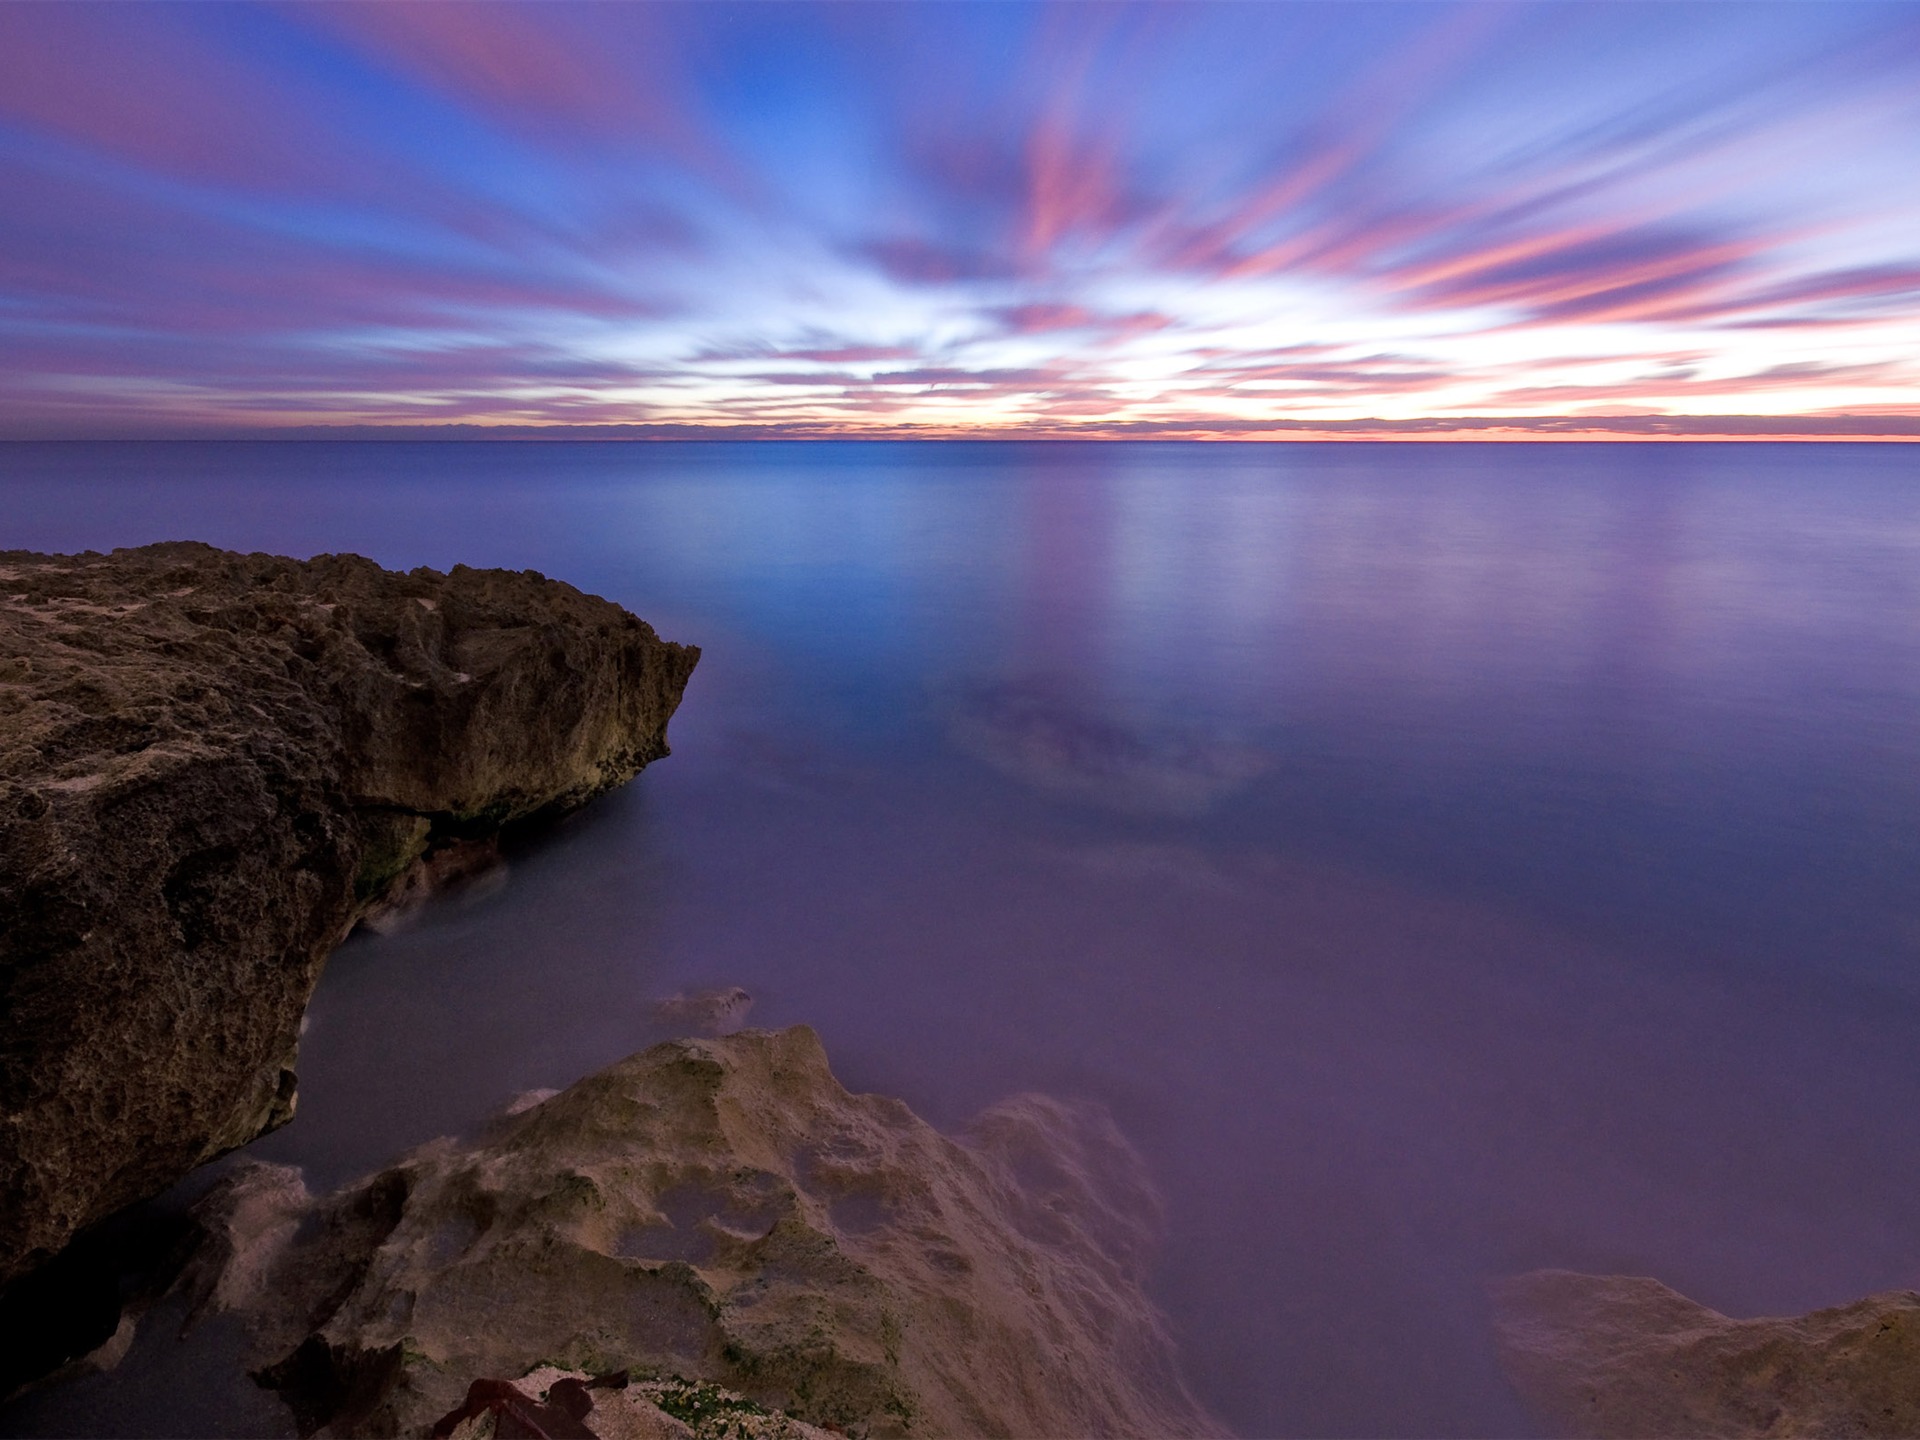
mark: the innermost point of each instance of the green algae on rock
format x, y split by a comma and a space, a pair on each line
615, 1407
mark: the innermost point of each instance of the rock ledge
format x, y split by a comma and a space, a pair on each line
211, 766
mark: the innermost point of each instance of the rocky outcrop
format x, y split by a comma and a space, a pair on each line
211, 765
721, 1211
1624, 1356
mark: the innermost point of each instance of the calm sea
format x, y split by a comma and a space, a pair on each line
1444, 860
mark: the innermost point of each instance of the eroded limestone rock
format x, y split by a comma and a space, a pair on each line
211, 765
1624, 1356
723, 1211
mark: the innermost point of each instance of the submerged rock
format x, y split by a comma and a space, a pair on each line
707, 1012
1624, 1356
1034, 734
724, 1213
211, 766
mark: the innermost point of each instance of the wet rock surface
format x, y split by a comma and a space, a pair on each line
211, 766
717, 1213
1625, 1356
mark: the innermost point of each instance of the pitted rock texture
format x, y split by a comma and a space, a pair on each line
722, 1211
211, 765
1624, 1356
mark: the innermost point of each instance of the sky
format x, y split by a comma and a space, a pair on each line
1173, 219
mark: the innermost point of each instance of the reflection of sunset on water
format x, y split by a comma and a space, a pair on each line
1444, 861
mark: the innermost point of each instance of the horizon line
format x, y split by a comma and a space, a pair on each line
1904, 427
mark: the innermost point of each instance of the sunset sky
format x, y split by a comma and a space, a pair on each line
1174, 219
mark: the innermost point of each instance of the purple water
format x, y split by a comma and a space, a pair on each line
1445, 860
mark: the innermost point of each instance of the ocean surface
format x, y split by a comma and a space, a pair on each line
1445, 860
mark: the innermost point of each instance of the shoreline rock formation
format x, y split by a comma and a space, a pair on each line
212, 765
718, 1213
1623, 1357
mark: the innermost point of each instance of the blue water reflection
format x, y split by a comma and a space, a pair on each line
1445, 859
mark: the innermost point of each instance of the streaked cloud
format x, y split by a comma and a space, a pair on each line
1117, 220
